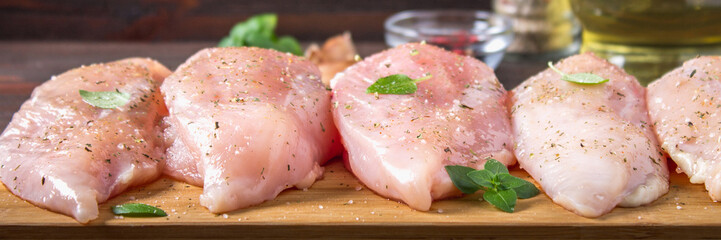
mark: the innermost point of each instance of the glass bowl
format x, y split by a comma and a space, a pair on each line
481, 34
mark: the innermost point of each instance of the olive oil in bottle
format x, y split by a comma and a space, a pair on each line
649, 37
544, 29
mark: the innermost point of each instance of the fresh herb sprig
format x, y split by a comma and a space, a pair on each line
109, 99
398, 84
138, 210
580, 78
259, 31
500, 188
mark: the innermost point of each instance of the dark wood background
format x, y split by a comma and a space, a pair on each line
39, 39
192, 20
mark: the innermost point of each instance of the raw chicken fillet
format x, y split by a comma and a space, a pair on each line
65, 155
247, 123
685, 109
591, 147
398, 145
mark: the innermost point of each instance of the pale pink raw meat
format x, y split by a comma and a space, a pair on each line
589, 146
398, 145
247, 123
65, 155
685, 109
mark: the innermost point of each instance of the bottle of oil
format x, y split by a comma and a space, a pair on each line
544, 29
649, 37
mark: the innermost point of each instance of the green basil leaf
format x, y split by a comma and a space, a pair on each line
260, 40
495, 166
109, 99
288, 44
460, 178
259, 31
483, 177
138, 210
584, 78
524, 189
580, 78
263, 24
234, 41
527, 190
393, 84
509, 181
503, 199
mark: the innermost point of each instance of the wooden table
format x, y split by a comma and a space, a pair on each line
337, 206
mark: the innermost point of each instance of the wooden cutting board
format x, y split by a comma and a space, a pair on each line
338, 206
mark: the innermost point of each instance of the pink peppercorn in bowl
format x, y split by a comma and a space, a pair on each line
481, 34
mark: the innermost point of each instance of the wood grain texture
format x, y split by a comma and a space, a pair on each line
148, 20
325, 210
340, 206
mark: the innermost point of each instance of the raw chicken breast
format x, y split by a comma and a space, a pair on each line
589, 146
398, 145
65, 155
247, 123
685, 109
